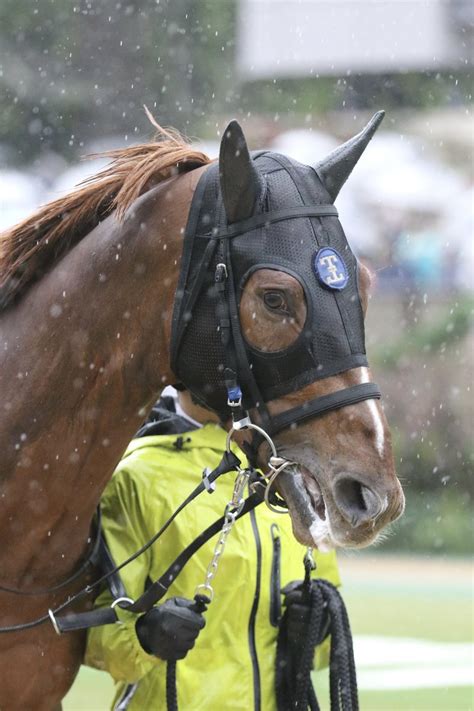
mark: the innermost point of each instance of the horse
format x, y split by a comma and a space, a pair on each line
88, 286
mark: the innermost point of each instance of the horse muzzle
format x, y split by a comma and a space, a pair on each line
345, 512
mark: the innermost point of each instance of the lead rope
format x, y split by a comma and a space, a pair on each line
293, 686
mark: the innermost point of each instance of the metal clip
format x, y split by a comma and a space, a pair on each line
309, 561
210, 486
221, 272
208, 590
242, 423
239, 488
118, 601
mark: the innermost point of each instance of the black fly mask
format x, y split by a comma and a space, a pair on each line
264, 210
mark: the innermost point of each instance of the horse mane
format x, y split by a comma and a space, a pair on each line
29, 249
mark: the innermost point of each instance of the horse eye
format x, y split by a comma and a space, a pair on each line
275, 301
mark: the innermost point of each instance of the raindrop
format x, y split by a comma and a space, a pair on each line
55, 310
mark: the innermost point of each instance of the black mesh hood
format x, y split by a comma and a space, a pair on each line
332, 340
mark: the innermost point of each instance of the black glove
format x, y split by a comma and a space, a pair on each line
169, 630
297, 614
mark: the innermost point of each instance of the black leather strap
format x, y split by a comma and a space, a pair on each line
313, 408
107, 565
325, 403
267, 218
84, 620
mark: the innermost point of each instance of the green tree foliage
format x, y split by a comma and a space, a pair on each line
72, 69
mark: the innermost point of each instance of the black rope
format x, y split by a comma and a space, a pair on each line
293, 687
201, 603
171, 690
343, 680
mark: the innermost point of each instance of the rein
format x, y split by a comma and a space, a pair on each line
90, 559
74, 621
241, 420
235, 509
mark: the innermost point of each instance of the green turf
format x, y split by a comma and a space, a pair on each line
459, 698
411, 613
92, 691
410, 608
444, 699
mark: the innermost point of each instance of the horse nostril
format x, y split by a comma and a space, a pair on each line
357, 503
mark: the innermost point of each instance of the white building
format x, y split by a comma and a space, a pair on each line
299, 38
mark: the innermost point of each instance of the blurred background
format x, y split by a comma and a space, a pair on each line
303, 76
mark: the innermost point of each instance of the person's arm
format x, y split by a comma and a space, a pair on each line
130, 649
116, 648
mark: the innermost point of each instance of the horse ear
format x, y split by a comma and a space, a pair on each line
338, 165
240, 183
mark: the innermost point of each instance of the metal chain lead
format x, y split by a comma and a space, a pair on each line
232, 510
234, 506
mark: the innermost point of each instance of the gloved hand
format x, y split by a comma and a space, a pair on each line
169, 630
298, 610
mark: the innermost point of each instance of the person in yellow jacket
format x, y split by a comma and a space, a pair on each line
231, 663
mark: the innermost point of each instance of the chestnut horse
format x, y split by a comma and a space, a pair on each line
87, 287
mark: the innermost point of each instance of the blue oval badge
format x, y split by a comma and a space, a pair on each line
330, 269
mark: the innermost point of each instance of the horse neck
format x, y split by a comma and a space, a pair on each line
84, 354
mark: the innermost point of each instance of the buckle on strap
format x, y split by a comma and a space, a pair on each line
119, 601
54, 621
210, 486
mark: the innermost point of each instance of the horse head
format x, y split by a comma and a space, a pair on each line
273, 300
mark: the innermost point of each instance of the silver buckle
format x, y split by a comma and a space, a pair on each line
210, 486
242, 423
54, 621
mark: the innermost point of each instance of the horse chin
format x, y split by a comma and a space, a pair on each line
307, 509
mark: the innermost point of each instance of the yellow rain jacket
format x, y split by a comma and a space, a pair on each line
232, 664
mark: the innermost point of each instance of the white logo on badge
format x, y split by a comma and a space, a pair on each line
330, 261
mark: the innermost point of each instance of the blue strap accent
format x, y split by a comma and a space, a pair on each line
234, 393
